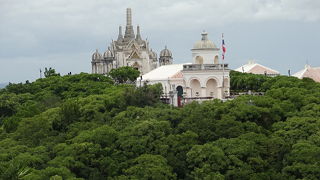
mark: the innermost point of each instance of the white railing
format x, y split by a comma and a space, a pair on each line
197, 67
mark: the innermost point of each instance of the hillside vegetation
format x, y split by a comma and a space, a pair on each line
87, 127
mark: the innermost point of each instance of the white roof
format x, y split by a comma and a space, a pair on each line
300, 73
310, 72
255, 68
162, 72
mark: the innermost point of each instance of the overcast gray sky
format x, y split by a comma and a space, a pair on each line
281, 34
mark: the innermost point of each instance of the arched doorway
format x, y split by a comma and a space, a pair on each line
216, 60
180, 91
180, 94
212, 88
195, 88
199, 60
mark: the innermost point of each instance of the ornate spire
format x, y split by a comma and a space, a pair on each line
138, 37
120, 37
129, 17
129, 34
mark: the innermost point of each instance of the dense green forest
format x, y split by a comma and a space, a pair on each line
88, 126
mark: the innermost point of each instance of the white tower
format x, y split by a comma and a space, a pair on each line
205, 51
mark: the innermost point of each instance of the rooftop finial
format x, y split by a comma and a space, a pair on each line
204, 35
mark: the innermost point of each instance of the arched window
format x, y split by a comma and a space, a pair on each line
195, 88
216, 60
199, 60
212, 88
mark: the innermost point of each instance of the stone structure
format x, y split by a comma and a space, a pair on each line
128, 50
165, 57
203, 79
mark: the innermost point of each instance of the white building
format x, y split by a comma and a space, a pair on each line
309, 72
203, 79
255, 68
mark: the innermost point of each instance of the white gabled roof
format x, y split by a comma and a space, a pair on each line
255, 68
310, 72
300, 73
162, 72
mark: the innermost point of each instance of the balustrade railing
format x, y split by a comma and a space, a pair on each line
197, 67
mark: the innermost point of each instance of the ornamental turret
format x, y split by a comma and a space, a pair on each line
96, 56
165, 57
108, 55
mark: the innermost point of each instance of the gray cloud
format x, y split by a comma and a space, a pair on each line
58, 33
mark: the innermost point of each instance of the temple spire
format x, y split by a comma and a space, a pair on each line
138, 37
120, 37
129, 33
129, 17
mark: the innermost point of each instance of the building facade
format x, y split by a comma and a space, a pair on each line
128, 50
203, 79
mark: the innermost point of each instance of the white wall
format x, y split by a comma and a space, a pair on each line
208, 55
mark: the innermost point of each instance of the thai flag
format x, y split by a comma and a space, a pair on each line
224, 49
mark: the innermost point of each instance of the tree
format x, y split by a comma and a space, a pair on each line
179, 146
149, 166
69, 113
34, 131
144, 137
124, 74
146, 95
206, 161
303, 161
50, 72
8, 104
296, 128
85, 126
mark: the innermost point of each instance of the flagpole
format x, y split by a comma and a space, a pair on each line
223, 93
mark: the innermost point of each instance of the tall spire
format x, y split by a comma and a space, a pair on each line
120, 37
129, 17
129, 33
138, 37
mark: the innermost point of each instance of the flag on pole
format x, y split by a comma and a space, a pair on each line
224, 50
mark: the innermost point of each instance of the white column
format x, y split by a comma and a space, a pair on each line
203, 92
